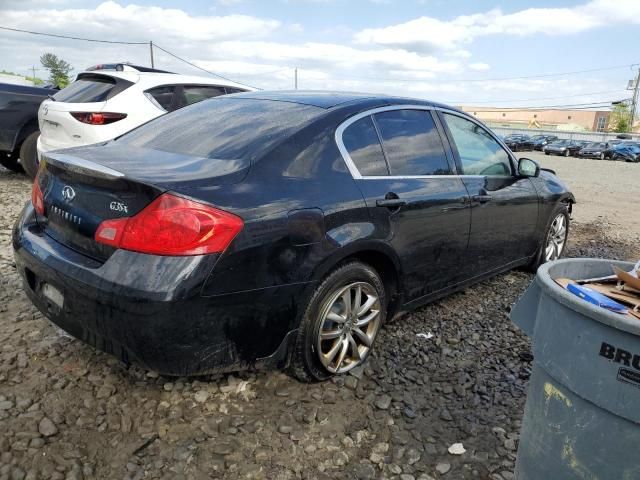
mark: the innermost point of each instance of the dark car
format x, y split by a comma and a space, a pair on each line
627, 151
516, 142
594, 150
538, 142
19, 122
277, 228
563, 147
580, 144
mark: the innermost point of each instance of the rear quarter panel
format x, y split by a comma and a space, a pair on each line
18, 117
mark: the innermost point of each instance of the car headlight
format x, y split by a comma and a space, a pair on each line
597, 153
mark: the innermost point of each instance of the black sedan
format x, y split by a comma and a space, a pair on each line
563, 147
538, 142
277, 228
517, 142
597, 150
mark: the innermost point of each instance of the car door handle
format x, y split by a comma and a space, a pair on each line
391, 203
481, 198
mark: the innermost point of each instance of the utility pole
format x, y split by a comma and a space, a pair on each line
151, 53
295, 78
634, 101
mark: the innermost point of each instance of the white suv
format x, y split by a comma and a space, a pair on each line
106, 101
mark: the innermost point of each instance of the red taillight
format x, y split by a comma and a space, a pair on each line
37, 198
172, 225
98, 118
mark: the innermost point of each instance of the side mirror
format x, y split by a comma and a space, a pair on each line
528, 168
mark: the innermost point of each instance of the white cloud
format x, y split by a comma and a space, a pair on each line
479, 66
139, 23
430, 34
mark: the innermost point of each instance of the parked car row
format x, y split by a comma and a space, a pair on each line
614, 150
103, 102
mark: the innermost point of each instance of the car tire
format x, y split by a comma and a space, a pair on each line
313, 359
561, 211
566, 153
547, 153
602, 157
29, 155
10, 162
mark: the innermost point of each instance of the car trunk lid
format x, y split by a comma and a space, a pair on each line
84, 186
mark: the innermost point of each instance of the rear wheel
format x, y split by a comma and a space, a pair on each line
10, 162
29, 155
555, 238
340, 324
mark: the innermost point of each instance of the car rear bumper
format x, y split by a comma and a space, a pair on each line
149, 310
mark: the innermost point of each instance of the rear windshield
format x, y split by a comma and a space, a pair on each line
223, 127
87, 89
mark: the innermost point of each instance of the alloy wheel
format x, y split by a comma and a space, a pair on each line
350, 323
556, 239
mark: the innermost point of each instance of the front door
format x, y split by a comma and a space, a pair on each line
504, 206
416, 202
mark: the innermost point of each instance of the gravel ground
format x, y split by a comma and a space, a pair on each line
605, 190
68, 411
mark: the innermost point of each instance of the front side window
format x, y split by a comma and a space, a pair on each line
362, 142
411, 143
479, 153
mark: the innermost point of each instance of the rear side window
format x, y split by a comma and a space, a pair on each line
479, 153
231, 90
228, 128
195, 93
162, 97
362, 143
411, 143
91, 88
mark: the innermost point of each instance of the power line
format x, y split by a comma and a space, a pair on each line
497, 79
126, 43
72, 38
543, 98
200, 68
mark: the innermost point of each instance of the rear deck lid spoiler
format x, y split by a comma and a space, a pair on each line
80, 165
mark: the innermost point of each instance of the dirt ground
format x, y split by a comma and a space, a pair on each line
68, 411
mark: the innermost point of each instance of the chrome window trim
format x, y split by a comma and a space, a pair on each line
351, 166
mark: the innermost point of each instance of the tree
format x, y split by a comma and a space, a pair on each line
620, 118
58, 69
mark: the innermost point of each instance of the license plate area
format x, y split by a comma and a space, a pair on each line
52, 295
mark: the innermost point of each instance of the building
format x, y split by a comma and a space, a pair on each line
561, 120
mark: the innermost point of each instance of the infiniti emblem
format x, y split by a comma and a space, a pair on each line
68, 193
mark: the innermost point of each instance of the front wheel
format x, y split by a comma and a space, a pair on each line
566, 153
29, 154
602, 157
340, 324
555, 238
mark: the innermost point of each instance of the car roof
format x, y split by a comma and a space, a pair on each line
149, 79
331, 99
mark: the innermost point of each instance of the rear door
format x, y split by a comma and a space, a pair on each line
504, 213
416, 201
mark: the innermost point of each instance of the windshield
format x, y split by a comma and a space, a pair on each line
223, 128
562, 142
597, 145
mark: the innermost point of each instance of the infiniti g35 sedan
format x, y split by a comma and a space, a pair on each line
278, 229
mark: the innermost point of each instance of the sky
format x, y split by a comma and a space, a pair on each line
457, 52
